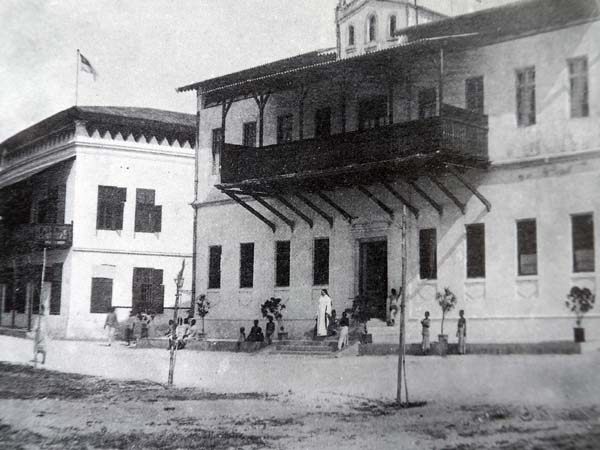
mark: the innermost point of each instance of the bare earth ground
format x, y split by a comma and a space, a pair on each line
227, 400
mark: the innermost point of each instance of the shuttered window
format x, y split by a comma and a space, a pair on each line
282, 263
101, 297
249, 138
474, 94
148, 290
111, 202
217, 145
428, 254
583, 242
285, 128
214, 267
476, 250
578, 86
526, 97
247, 265
527, 247
148, 216
321, 262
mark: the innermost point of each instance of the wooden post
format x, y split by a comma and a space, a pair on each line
261, 100
344, 85
41, 311
401, 349
441, 83
195, 204
302, 96
173, 356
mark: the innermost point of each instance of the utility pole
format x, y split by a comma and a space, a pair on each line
401, 349
173, 356
41, 314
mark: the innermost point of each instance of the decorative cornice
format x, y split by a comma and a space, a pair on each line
131, 252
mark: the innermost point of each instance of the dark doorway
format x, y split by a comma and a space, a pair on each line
373, 277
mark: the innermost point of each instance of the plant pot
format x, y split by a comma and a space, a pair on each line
579, 333
442, 344
283, 335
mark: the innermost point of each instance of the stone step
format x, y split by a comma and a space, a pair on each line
307, 342
305, 348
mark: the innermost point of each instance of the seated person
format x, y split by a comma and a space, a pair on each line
241, 337
193, 331
256, 334
332, 324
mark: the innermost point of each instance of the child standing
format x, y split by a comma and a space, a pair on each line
241, 338
129, 328
461, 333
425, 323
344, 324
270, 329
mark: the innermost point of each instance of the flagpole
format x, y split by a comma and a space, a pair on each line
77, 78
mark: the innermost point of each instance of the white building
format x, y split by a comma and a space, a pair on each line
107, 191
485, 126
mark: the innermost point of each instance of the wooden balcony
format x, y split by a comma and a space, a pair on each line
458, 132
34, 237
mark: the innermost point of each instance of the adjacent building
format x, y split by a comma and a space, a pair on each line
481, 130
106, 191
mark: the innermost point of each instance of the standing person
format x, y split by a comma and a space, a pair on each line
256, 334
461, 333
333, 324
111, 323
270, 329
393, 307
324, 313
344, 325
425, 323
41, 333
241, 338
130, 328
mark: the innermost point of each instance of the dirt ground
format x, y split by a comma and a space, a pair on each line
473, 409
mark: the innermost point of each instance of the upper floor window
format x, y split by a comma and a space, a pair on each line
428, 254
583, 242
527, 247
148, 216
351, 35
578, 86
393, 22
282, 263
111, 202
476, 250
323, 122
217, 144
249, 138
214, 267
526, 97
372, 29
285, 127
474, 94
427, 102
372, 113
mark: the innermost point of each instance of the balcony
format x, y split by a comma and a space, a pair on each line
34, 237
458, 133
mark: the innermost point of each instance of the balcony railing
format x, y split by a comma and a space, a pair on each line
457, 131
32, 237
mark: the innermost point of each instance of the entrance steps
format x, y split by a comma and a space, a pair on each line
321, 347
381, 333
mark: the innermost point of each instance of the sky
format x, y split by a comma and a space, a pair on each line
143, 49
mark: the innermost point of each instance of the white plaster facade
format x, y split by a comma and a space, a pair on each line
86, 160
548, 171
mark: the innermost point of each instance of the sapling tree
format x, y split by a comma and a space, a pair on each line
447, 301
580, 301
273, 307
202, 308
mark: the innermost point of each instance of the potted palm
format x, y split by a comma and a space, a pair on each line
202, 307
579, 301
447, 302
274, 307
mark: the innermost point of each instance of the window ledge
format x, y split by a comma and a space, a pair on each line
583, 274
474, 280
246, 289
528, 277
213, 290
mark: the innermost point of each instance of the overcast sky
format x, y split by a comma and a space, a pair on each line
142, 49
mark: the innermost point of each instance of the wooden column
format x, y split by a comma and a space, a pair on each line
441, 82
302, 93
261, 100
390, 95
224, 110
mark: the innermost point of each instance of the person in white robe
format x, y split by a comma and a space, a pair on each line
324, 313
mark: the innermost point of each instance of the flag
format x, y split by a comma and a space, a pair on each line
86, 66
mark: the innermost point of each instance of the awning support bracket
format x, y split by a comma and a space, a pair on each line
262, 202
249, 208
318, 210
470, 187
293, 208
399, 196
375, 200
335, 206
429, 200
449, 194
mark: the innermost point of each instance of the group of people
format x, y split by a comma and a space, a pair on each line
185, 331
256, 332
327, 323
461, 333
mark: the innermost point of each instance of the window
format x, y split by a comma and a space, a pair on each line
427, 99
249, 139
476, 250
56, 293
393, 21
527, 247
323, 122
428, 254
282, 263
285, 127
148, 290
217, 144
526, 97
51, 208
214, 267
101, 299
247, 265
148, 216
372, 113
474, 94
372, 29
351, 35
578, 85
583, 242
321, 261
111, 201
